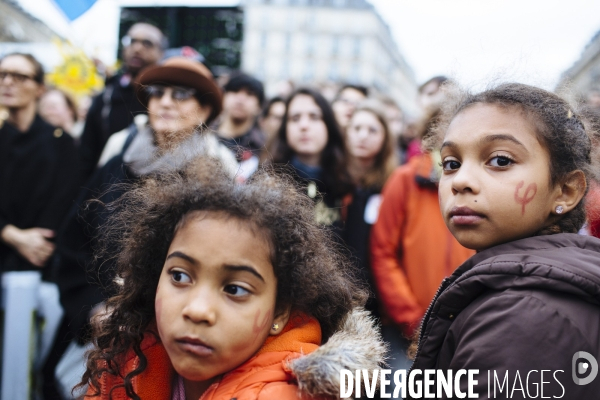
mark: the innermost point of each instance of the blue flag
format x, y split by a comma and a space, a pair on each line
74, 8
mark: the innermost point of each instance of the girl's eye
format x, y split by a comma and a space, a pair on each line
500, 161
315, 117
450, 165
236, 290
180, 277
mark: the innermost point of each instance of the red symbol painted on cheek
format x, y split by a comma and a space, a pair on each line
257, 328
526, 199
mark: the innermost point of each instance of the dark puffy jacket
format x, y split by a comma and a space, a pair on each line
525, 306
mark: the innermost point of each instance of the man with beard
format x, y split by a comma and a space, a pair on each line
114, 108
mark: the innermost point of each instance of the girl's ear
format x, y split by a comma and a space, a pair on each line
280, 321
571, 191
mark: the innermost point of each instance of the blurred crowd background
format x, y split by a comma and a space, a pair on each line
316, 89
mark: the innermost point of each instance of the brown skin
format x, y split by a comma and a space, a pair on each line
20, 99
136, 56
316, 282
199, 297
495, 165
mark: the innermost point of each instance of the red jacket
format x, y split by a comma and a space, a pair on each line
289, 366
412, 250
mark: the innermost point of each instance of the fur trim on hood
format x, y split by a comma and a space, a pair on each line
358, 345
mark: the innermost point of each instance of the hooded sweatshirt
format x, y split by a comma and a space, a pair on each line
517, 309
291, 365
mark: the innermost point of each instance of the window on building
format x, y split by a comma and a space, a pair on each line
310, 44
309, 71
285, 69
357, 46
287, 42
333, 73
335, 45
264, 38
355, 72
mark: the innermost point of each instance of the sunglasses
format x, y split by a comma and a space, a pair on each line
127, 41
177, 93
15, 76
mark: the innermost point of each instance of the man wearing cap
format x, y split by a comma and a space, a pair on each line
237, 127
114, 108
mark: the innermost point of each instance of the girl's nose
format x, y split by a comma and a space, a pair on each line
201, 307
465, 180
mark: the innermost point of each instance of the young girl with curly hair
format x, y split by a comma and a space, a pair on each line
516, 166
226, 291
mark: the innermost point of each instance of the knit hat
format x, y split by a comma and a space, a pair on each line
182, 71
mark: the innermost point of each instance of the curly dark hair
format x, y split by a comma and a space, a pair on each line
313, 276
559, 128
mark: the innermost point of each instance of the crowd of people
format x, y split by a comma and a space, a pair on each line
310, 209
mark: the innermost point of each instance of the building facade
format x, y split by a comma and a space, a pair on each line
18, 26
584, 75
319, 41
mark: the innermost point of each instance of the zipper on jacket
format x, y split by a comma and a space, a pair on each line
445, 283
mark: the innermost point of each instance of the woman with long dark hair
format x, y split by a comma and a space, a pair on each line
310, 142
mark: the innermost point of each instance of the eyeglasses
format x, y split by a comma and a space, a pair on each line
16, 77
127, 41
177, 93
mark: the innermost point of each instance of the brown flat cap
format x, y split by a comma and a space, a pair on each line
182, 71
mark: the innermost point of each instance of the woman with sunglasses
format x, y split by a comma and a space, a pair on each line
37, 169
182, 99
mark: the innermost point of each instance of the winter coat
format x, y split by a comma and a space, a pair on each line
412, 250
361, 212
38, 182
290, 365
110, 111
527, 305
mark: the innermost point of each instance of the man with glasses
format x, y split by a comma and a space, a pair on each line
115, 108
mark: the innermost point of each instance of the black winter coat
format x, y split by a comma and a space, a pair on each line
527, 305
83, 281
111, 111
38, 182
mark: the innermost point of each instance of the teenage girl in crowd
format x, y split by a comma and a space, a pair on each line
220, 298
309, 141
516, 166
371, 160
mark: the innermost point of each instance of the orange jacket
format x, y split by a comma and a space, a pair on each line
289, 366
412, 250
